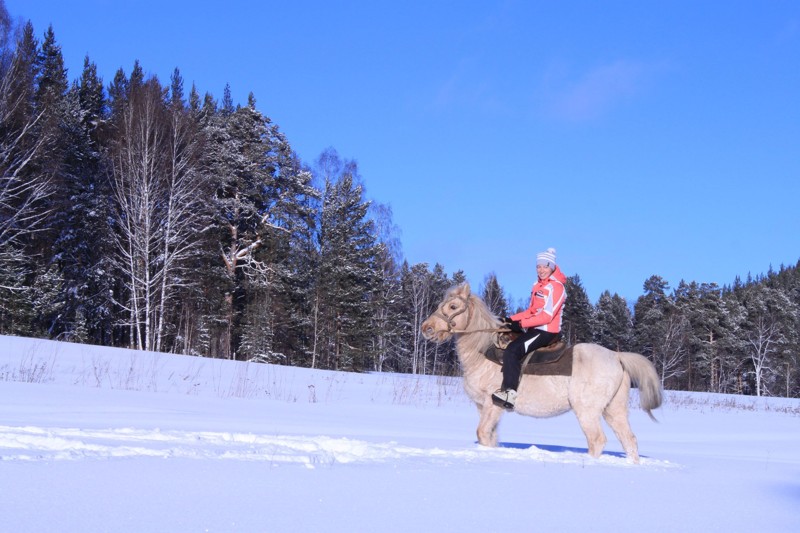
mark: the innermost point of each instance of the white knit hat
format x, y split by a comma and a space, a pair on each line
548, 257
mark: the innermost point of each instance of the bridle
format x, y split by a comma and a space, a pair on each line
467, 308
450, 319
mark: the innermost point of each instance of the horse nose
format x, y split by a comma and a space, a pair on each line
427, 329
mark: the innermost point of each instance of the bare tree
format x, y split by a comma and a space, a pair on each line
762, 340
671, 350
155, 184
770, 329
419, 300
24, 191
184, 215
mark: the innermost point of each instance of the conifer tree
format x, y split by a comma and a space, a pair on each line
578, 314
613, 322
710, 367
492, 294
59, 120
660, 331
346, 277
239, 172
83, 244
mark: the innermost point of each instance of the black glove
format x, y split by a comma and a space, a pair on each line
512, 325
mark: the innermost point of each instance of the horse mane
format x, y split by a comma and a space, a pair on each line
473, 346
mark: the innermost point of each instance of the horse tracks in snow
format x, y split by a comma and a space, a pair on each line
29, 443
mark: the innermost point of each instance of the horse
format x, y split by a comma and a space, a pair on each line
599, 385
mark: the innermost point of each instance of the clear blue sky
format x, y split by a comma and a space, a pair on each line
637, 138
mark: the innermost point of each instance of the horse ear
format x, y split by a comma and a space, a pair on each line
465, 289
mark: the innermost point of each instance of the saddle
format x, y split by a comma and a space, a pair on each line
555, 359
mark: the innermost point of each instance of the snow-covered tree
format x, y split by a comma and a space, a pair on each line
346, 279
660, 331
158, 202
613, 322
769, 332
578, 314
387, 298
25, 189
492, 294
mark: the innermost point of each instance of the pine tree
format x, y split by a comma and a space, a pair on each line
263, 212
613, 322
346, 280
292, 205
59, 123
578, 314
238, 171
83, 243
492, 294
660, 331
708, 368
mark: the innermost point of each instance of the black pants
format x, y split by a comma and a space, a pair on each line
517, 350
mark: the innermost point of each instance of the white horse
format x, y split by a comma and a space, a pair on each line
598, 387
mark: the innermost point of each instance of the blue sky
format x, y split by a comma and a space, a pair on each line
637, 138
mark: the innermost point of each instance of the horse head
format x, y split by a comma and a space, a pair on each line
453, 315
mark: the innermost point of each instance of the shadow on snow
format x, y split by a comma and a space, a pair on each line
555, 449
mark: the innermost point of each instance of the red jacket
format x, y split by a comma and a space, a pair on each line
547, 301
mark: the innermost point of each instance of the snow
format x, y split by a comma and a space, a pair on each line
106, 440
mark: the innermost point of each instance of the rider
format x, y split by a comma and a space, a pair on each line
538, 325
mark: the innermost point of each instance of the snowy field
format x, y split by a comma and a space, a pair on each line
108, 440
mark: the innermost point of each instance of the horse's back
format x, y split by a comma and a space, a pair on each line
594, 359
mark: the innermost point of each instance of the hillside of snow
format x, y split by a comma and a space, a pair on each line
99, 439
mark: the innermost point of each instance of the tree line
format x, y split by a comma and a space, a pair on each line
139, 214
740, 339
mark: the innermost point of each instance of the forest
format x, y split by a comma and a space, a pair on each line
141, 214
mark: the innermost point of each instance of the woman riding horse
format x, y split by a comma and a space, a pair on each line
538, 325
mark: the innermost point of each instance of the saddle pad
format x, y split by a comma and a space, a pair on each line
548, 365
542, 362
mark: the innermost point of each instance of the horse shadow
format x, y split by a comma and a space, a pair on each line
553, 448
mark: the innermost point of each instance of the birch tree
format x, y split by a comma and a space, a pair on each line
661, 332
386, 315
417, 292
770, 331
158, 205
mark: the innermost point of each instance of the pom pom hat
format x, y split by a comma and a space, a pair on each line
548, 257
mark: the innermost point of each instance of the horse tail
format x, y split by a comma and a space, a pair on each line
644, 376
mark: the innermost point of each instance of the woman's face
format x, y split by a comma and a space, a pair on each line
544, 271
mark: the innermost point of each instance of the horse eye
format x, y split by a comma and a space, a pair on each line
453, 307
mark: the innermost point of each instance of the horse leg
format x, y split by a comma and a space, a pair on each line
616, 415
487, 425
589, 421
